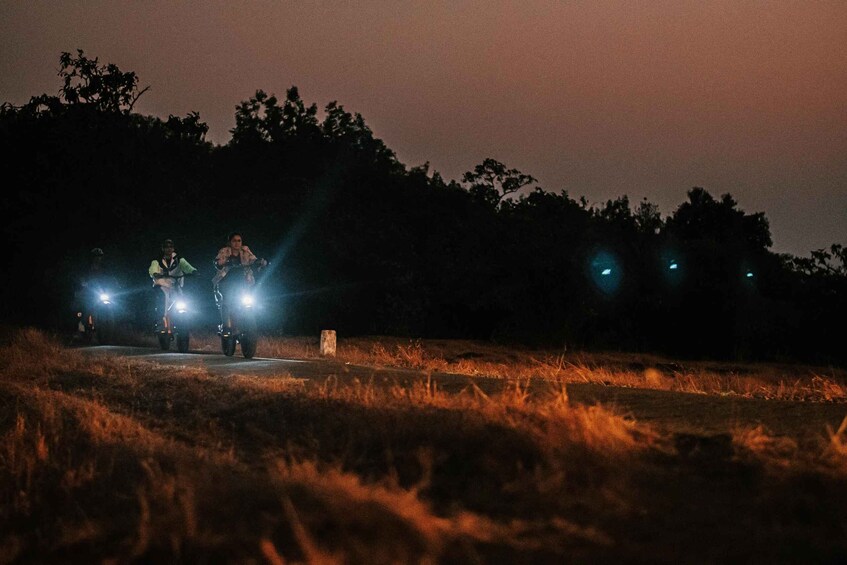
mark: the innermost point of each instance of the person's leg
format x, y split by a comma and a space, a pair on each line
223, 300
78, 308
226, 309
158, 308
166, 305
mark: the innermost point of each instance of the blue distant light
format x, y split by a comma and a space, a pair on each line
606, 272
749, 274
674, 266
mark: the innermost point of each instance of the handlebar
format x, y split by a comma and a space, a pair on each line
258, 263
168, 276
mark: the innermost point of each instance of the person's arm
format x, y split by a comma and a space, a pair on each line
154, 269
186, 267
250, 258
222, 257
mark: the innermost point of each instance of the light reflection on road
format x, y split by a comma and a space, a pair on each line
215, 363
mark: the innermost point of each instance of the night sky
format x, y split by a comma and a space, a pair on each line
600, 99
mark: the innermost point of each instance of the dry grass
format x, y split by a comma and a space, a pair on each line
767, 381
146, 463
837, 448
120, 460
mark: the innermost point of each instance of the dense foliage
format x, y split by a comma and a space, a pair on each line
363, 244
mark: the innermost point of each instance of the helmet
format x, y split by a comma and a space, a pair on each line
96, 252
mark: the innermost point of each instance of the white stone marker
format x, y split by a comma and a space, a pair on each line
328, 342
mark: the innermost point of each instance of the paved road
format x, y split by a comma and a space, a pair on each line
674, 411
314, 369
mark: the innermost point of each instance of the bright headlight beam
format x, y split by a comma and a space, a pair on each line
606, 272
247, 300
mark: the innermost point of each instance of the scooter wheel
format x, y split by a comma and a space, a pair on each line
228, 345
248, 345
182, 343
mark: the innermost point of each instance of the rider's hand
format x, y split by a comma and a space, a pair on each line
158, 276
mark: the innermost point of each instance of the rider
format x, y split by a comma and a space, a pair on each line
90, 284
167, 273
235, 256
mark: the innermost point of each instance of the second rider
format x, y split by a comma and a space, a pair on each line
167, 273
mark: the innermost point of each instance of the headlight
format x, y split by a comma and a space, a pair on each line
104, 298
247, 300
181, 306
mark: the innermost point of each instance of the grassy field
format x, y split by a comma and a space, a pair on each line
121, 459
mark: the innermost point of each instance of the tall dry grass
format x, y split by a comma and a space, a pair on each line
117, 459
767, 381
120, 459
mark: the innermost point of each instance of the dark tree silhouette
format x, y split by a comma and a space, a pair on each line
490, 181
263, 118
104, 87
823, 263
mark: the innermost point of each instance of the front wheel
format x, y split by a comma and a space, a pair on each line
228, 345
165, 341
248, 345
182, 341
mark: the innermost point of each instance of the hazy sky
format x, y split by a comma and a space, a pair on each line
597, 98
